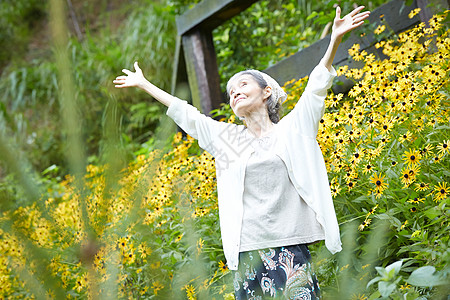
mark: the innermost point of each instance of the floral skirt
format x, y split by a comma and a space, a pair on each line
281, 273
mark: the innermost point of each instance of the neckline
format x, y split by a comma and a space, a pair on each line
268, 134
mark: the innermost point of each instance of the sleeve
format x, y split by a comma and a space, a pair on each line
310, 108
201, 127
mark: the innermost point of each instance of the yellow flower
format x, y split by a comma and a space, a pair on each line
354, 49
223, 267
443, 148
413, 13
155, 265
359, 297
179, 237
421, 187
412, 157
380, 185
416, 233
380, 29
200, 244
157, 286
229, 296
404, 225
81, 282
190, 292
416, 200
405, 137
409, 174
441, 191
405, 287
364, 224
144, 250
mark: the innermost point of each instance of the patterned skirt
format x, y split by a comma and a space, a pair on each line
280, 273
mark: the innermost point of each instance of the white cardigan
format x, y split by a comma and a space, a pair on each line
297, 148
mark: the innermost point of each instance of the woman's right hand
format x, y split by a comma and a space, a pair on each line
135, 79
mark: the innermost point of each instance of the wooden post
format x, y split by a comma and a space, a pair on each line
202, 70
195, 28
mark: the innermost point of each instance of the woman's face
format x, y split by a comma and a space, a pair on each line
246, 96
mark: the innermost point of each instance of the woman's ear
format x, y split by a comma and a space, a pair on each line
267, 92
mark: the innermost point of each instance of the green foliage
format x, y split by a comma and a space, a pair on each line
269, 31
30, 103
18, 21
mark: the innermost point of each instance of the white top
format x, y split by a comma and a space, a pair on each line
274, 213
297, 147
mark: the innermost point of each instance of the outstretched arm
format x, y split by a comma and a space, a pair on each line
137, 79
341, 27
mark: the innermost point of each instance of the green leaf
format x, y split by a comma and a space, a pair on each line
432, 213
395, 267
386, 288
375, 295
382, 271
312, 15
426, 277
376, 279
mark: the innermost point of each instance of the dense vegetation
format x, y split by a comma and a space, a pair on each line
142, 221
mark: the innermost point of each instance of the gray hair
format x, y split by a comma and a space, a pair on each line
277, 96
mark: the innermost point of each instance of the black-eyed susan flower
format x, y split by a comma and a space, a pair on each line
144, 250
409, 175
190, 292
443, 148
413, 13
404, 225
416, 200
223, 267
379, 29
441, 191
421, 186
379, 182
358, 297
368, 168
405, 137
354, 49
364, 224
427, 150
157, 286
412, 157
81, 282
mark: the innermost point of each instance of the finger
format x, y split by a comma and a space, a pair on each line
355, 11
359, 19
357, 24
338, 13
121, 77
363, 14
128, 72
136, 66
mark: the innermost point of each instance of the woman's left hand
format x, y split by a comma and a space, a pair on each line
349, 22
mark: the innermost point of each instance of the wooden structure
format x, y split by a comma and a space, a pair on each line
195, 58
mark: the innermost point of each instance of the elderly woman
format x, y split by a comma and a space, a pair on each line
274, 197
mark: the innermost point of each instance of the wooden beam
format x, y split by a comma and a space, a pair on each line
209, 14
202, 70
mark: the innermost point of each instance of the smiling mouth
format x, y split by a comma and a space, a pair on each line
237, 100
